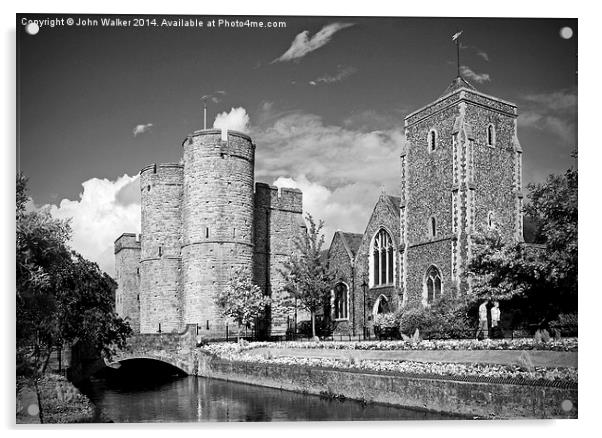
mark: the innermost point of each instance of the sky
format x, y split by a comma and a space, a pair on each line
323, 98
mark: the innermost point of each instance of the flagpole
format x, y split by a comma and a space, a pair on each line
458, 51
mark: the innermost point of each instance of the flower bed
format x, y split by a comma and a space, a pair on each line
565, 344
237, 352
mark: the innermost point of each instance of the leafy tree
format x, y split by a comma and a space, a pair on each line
538, 281
306, 274
60, 296
242, 300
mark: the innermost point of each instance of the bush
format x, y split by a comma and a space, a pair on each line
565, 324
386, 325
323, 328
445, 319
414, 318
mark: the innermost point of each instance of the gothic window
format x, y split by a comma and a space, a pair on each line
383, 259
432, 140
433, 284
341, 297
490, 135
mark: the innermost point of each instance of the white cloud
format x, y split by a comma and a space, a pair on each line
237, 120
214, 97
303, 44
340, 169
346, 208
555, 112
99, 217
343, 72
476, 77
483, 55
141, 129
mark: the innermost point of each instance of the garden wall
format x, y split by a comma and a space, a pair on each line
437, 394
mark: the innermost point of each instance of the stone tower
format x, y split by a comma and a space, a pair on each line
217, 215
160, 261
127, 270
460, 171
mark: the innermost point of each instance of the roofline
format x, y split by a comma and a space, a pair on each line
445, 96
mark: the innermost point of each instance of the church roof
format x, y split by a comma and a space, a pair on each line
458, 83
351, 241
395, 200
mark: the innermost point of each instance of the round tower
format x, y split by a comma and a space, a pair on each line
217, 221
160, 261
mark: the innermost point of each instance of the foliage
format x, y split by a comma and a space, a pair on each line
565, 324
306, 273
386, 325
447, 318
542, 336
323, 327
241, 299
60, 296
536, 282
414, 318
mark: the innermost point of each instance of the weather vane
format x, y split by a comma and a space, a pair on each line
456, 38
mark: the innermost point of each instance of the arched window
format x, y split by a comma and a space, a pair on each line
433, 227
382, 259
341, 301
490, 219
432, 140
491, 135
381, 305
432, 284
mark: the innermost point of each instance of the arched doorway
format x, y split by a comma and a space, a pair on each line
381, 305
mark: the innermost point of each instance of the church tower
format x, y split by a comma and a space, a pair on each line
461, 170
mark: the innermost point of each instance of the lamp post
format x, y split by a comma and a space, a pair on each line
364, 287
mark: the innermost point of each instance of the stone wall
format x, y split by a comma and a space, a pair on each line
217, 215
127, 275
278, 219
385, 215
341, 265
481, 397
161, 197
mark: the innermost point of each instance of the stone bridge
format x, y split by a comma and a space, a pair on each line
176, 349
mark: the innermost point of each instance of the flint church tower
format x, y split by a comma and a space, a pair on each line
460, 171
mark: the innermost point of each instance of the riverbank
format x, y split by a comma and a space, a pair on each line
472, 389
55, 400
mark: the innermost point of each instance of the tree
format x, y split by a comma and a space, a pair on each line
306, 274
242, 300
540, 281
60, 296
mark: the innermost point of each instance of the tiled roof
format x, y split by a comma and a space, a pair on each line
351, 241
457, 83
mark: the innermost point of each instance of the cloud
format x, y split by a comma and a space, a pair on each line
471, 75
483, 55
214, 97
141, 129
303, 44
104, 211
340, 169
555, 112
237, 120
343, 72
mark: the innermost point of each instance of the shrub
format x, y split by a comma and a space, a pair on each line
323, 328
565, 324
414, 318
445, 319
386, 325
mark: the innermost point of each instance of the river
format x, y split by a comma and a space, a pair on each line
156, 397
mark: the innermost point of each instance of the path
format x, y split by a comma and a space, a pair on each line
539, 358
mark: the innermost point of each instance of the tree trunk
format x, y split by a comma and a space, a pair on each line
313, 324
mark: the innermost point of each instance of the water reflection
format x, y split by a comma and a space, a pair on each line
128, 398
